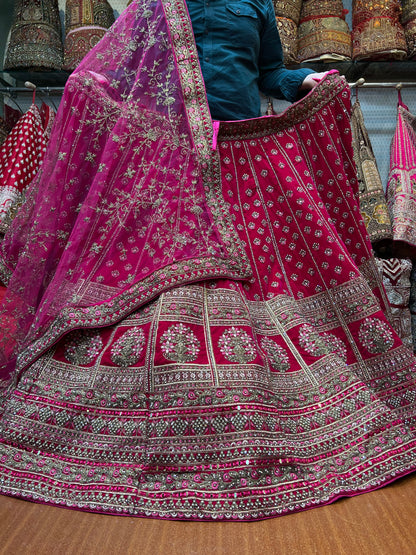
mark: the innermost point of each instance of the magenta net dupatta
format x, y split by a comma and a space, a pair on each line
128, 200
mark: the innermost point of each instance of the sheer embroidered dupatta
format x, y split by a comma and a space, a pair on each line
127, 202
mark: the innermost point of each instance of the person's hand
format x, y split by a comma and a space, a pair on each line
312, 80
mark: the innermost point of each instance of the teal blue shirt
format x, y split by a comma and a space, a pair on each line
240, 54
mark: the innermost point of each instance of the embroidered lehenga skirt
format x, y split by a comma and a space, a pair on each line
225, 397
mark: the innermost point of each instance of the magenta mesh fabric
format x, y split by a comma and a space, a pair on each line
128, 194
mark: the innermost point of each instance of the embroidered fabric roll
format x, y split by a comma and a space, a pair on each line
373, 202
323, 33
86, 22
410, 34
36, 36
409, 23
288, 31
287, 19
321, 8
395, 273
408, 10
377, 32
288, 9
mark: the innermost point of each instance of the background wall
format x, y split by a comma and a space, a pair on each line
379, 105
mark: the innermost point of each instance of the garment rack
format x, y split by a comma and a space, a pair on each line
46, 90
362, 83
14, 91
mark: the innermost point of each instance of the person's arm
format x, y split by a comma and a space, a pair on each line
275, 80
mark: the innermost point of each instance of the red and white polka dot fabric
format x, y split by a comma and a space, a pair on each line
20, 157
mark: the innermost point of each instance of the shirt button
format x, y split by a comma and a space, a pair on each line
238, 11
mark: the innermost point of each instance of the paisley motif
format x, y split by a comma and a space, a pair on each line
313, 342
277, 356
375, 335
127, 349
82, 346
237, 346
179, 344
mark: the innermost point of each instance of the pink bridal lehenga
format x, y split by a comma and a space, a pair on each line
194, 326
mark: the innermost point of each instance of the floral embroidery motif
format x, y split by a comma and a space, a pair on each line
237, 346
127, 349
180, 344
338, 346
375, 336
313, 342
277, 356
83, 346
319, 344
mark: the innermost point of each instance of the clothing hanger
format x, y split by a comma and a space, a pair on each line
400, 102
355, 86
270, 108
31, 86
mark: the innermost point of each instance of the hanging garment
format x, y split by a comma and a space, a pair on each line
408, 20
21, 155
323, 33
412, 304
377, 32
86, 22
195, 327
373, 203
35, 37
11, 115
4, 130
401, 184
287, 19
396, 280
47, 115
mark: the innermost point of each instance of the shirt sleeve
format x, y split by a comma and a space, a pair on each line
275, 80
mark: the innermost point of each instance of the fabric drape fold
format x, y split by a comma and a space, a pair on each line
125, 97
